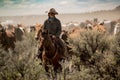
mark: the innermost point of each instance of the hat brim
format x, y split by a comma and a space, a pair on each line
56, 13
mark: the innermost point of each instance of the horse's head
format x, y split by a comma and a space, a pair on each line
38, 28
44, 38
41, 34
44, 34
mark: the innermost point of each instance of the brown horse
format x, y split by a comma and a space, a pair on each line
7, 39
99, 28
37, 28
52, 53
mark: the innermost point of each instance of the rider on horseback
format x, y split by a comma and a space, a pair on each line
53, 25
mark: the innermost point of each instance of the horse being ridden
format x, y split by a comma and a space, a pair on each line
52, 52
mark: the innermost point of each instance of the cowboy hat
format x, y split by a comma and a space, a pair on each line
52, 10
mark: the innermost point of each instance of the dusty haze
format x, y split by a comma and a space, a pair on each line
65, 18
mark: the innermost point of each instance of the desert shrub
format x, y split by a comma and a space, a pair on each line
96, 56
98, 53
21, 64
90, 43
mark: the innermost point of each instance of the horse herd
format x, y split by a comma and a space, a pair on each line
52, 52
8, 36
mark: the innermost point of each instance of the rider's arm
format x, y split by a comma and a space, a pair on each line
44, 27
58, 31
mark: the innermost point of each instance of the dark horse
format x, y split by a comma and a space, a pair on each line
52, 53
7, 39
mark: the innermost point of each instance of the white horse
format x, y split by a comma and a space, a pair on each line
117, 29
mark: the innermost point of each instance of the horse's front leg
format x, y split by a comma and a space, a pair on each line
46, 68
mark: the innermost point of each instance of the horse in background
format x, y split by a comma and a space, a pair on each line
37, 28
117, 29
7, 38
19, 32
52, 53
99, 28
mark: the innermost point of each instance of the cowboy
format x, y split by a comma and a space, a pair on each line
53, 25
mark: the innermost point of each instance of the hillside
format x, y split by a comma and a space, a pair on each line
65, 18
